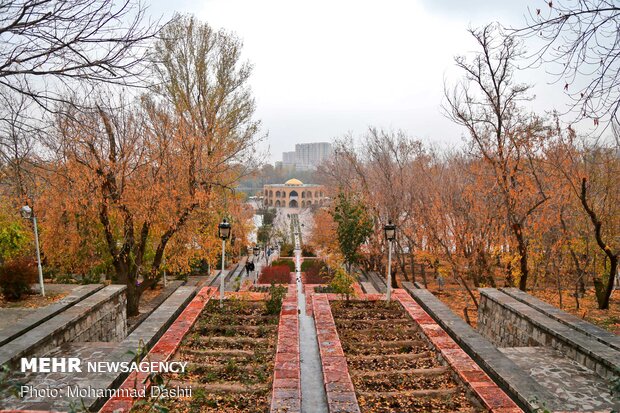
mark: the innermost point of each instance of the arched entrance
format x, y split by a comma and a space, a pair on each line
293, 204
278, 204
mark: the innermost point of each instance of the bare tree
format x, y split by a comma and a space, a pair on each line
48, 44
581, 42
17, 147
486, 104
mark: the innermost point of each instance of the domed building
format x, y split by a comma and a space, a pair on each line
293, 194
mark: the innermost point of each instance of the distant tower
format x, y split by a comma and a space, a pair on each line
308, 155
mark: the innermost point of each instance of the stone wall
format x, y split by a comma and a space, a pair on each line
505, 328
508, 322
107, 322
41, 315
516, 382
100, 317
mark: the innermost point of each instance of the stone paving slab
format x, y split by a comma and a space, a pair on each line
549, 332
146, 334
50, 333
163, 350
511, 378
579, 388
31, 318
148, 308
492, 397
286, 393
606, 337
10, 317
368, 287
151, 329
338, 385
238, 272
377, 281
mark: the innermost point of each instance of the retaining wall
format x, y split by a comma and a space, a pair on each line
100, 317
518, 384
40, 316
508, 322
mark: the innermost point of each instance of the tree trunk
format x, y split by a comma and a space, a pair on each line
133, 299
603, 291
522, 247
412, 259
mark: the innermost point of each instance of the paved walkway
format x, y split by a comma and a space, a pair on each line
313, 397
578, 388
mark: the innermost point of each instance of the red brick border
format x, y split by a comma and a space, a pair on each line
338, 385
165, 348
286, 394
492, 397
32, 411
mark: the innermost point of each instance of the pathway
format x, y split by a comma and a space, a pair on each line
313, 397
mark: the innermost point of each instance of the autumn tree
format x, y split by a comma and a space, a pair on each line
51, 51
160, 169
590, 171
486, 104
354, 226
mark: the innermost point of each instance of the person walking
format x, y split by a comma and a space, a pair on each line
252, 268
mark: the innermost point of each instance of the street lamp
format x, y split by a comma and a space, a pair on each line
390, 235
256, 254
224, 233
26, 212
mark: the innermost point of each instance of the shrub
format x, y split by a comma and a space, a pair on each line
315, 272
289, 263
307, 251
16, 275
279, 274
342, 283
273, 304
287, 250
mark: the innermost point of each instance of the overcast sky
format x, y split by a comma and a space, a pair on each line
323, 68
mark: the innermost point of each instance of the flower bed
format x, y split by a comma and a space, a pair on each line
314, 272
278, 274
289, 263
391, 365
231, 353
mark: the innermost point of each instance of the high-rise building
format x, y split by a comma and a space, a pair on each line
288, 158
307, 155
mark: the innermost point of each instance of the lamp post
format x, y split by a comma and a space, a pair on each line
26, 212
390, 235
256, 254
224, 233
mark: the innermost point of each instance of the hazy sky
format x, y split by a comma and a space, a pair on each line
323, 68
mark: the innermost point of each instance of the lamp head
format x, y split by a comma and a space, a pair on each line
224, 229
390, 231
26, 212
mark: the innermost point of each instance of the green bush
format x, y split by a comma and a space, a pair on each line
273, 304
287, 250
16, 275
307, 252
342, 283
